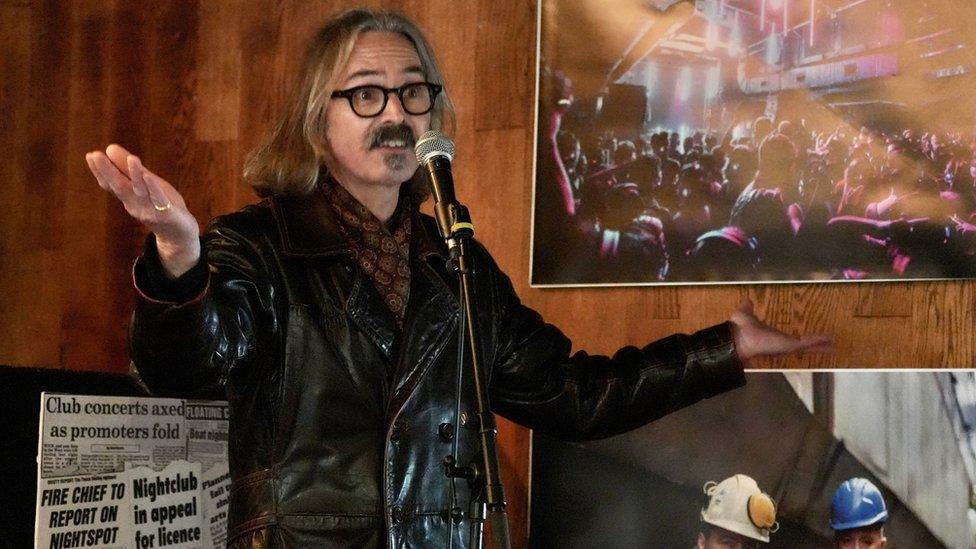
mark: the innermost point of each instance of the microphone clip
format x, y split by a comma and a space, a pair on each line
455, 224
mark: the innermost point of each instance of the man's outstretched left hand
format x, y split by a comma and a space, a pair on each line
754, 337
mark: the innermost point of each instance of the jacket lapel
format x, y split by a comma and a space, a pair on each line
309, 230
367, 310
432, 316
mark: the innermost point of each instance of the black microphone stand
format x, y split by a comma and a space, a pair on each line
488, 503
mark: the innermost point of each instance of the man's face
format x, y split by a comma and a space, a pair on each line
895, 161
718, 538
861, 538
358, 157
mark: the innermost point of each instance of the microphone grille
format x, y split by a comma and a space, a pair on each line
433, 143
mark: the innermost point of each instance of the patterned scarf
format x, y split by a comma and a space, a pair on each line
383, 253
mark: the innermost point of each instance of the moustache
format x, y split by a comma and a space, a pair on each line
392, 133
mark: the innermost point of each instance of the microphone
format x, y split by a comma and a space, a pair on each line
435, 151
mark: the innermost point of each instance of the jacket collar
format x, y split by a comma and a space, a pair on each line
308, 228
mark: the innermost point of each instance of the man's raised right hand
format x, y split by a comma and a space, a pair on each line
153, 202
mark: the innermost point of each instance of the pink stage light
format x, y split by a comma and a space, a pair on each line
772, 47
813, 14
712, 83
735, 40
684, 84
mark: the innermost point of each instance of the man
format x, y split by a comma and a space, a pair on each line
762, 208
761, 128
327, 317
858, 515
738, 515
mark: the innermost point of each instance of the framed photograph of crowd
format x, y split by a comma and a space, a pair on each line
729, 141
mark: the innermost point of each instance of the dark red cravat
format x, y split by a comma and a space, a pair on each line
382, 252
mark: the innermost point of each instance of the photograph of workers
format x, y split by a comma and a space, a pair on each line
858, 515
717, 141
738, 514
807, 459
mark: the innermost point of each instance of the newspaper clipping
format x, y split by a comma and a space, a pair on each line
123, 472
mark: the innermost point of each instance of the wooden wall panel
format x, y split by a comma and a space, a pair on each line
218, 82
15, 61
506, 87
193, 85
88, 96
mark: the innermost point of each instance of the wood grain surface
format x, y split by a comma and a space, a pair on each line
192, 85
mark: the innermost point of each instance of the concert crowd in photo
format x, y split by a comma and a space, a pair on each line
788, 203
722, 193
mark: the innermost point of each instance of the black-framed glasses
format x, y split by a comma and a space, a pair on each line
369, 101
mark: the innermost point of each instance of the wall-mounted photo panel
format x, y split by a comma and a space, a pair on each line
792, 460
726, 141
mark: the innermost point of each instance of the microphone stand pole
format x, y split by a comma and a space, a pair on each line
489, 500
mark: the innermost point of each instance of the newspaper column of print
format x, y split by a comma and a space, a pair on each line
131, 472
166, 507
83, 512
206, 426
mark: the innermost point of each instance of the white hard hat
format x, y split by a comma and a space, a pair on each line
738, 505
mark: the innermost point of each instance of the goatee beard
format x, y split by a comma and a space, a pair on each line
395, 161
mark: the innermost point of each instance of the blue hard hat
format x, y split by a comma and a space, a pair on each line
857, 503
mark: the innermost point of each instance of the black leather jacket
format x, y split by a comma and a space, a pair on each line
336, 415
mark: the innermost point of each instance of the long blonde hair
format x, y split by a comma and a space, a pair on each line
290, 161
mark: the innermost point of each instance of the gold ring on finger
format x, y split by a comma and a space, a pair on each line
163, 208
